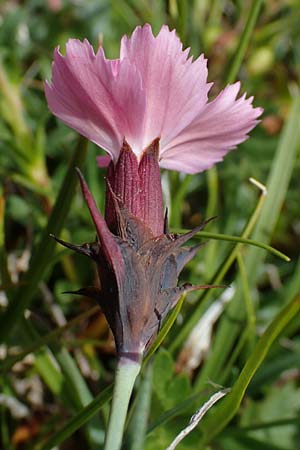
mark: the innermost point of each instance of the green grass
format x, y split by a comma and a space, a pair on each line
60, 345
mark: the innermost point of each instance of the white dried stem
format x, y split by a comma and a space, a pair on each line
196, 418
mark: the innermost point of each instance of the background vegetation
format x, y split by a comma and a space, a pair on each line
60, 357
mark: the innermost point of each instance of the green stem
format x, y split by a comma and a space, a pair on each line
139, 420
212, 184
126, 373
92, 408
244, 41
241, 240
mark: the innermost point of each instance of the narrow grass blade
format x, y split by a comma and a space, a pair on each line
138, 423
196, 418
80, 419
165, 329
278, 181
250, 443
217, 278
262, 426
277, 185
45, 249
224, 412
4, 274
244, 40
248, 333
178, 196
176, 411
241, 240
65, 378
45, 340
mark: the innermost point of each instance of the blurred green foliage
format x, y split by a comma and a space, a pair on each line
60, 379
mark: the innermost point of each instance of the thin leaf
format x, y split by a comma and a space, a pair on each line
44, 252
138, 423
241, 240
224, 412
244, 40
197, 417
45, 340
217, 278
175, 412
165, 329
277, 185
262, 426
80, 419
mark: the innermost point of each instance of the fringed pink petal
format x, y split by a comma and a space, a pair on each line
219, 127
130, 100
93, 95
175, 88
155, 91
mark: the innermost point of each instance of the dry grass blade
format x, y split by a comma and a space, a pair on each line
196, 418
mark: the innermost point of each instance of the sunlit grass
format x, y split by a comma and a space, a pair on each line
54, 339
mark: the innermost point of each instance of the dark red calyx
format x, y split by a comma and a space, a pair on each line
138, 273
138, 185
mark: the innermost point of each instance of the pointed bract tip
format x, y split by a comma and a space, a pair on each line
115, 197
91, 292
126, 146
166, 221
79, 173
203, 224
83, 184
190, 287
152, 149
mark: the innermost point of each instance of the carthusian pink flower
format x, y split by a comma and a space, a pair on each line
147, 109
154, 91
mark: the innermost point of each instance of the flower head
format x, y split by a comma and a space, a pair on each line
146, 109
153, 91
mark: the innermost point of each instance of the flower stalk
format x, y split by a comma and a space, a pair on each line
148, 109
126, 373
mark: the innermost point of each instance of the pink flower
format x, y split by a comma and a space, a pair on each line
147, 108
154, 91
